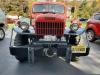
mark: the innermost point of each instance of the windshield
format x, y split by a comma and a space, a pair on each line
56, 8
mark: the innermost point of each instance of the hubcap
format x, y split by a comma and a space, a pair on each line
90, 35
1, 34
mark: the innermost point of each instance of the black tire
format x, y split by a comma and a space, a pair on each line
22, 55
91, 35
68, 55
21, 59
74, 58
2, 34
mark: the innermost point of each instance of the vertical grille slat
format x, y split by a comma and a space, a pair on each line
50, 28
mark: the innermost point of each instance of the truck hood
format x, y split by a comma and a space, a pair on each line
50, 17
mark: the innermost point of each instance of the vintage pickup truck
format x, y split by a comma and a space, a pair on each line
46, 34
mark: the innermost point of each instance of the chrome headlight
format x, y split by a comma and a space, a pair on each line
74, 27
24, 26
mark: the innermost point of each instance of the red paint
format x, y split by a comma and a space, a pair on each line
64, 15
94, 24
49, 23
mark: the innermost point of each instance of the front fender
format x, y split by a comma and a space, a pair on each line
78, 32
19, 30
93, 27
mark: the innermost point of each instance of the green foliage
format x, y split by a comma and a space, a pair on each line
15, 7
86, 9
82, 9
96, 6
94, 3
83, 4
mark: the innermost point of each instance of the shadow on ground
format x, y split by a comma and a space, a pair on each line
44, 66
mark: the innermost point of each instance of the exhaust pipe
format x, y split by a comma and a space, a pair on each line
50, 52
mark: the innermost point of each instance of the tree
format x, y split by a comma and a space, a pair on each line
14, 6
84, 10
97, 7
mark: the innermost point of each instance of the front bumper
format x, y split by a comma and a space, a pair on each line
60, 47
39, 46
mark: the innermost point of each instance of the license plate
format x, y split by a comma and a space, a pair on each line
78, 49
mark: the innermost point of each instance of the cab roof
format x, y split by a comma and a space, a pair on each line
61, 3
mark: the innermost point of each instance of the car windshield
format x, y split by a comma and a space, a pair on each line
55, 8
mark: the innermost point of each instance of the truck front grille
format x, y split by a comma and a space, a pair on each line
50, 28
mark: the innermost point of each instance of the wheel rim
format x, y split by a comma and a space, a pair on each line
1, 34
90, 35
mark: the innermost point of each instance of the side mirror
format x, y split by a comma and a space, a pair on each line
72, 9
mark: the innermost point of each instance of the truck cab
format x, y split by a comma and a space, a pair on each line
51, 8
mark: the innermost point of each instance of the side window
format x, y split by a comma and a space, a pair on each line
97, 17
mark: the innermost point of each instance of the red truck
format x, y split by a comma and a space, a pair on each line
46, 34
93, 27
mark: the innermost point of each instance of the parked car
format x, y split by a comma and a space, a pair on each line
93, 27
11, 19
2, 24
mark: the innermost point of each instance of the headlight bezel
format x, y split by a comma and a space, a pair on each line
24, 26
74, 27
